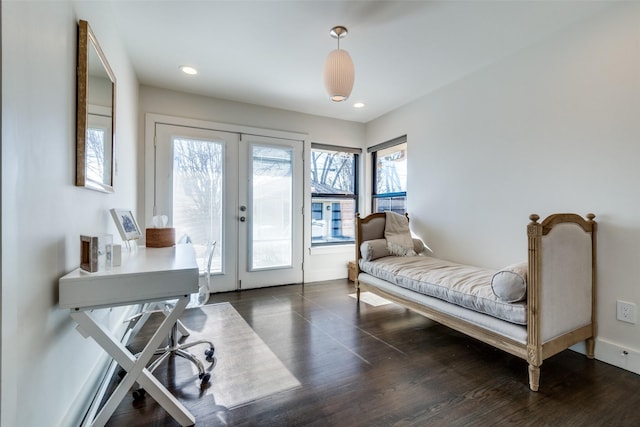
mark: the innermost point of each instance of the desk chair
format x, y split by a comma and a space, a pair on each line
174, 346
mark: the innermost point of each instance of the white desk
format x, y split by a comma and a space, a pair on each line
148, 274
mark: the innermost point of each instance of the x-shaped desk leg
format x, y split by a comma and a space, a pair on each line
136, 368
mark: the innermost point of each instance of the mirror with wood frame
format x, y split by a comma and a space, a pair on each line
95, 139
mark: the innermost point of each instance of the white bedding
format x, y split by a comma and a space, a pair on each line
463, 285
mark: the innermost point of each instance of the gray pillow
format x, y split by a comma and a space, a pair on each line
374, 249
418, 245
377, 248
510, 283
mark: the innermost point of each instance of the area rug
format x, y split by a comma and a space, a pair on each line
371, 299
246, 369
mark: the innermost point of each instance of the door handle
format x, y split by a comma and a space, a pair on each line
242, 219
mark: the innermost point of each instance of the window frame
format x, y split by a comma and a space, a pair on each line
373, 150
338, 196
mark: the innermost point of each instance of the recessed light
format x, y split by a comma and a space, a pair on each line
358, 105
188, 70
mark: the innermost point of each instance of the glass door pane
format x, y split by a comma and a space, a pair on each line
271, 200
198, 180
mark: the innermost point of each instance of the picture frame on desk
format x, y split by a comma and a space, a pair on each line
96, 252
126, 223
89, 253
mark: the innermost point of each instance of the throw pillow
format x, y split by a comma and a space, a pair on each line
510, 283
418, 245
374, 249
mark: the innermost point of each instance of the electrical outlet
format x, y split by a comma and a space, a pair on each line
626, 311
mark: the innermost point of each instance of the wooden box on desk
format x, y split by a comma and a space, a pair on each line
161, 237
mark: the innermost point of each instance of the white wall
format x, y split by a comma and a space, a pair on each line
553, 128
319, 263
48, 369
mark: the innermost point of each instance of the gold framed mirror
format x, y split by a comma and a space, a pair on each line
95, 138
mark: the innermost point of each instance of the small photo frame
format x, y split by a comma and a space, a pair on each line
126, 223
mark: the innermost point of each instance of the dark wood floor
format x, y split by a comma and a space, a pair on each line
386, 366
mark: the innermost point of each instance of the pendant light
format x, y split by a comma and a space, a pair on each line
338, 69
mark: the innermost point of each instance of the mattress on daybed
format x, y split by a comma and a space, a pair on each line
463, 285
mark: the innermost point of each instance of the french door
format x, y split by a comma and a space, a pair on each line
270, 211
240, 191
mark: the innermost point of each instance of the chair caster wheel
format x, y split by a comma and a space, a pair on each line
138, 394
205, 377
209, 353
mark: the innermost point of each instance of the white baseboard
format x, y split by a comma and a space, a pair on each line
84, 398
328, 274
622, 356
93, 390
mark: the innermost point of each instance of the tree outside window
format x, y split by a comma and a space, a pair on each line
389, 161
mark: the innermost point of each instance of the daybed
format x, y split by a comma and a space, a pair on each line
546, 308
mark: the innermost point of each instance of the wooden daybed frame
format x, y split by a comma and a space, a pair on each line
561, 290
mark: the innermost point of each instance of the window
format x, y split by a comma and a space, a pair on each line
334, 194
97, 148
389, 161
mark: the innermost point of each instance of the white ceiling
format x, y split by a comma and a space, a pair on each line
272, 53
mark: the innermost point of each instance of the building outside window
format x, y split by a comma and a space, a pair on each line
334, 194
389, 161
